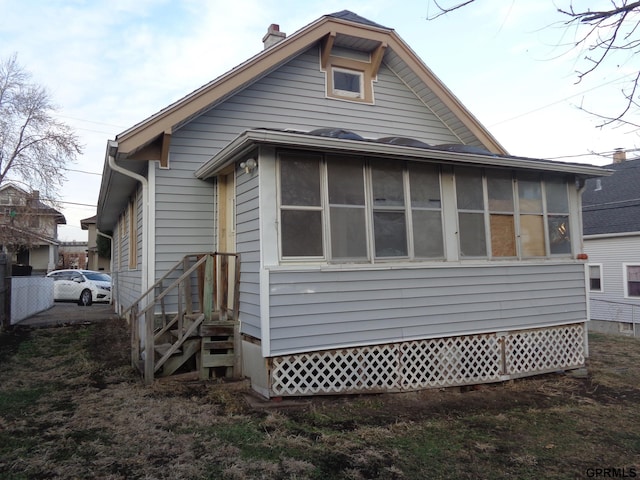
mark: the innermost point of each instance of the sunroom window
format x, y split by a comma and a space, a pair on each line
347, 209
470, 197
300, 206
492, 224
389, 217
359, 209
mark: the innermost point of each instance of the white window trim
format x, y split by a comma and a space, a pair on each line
601, 270
625, 280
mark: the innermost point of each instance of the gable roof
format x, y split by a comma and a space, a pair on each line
612, 204
150, 138
41, 207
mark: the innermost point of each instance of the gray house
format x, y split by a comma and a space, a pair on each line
611, 216
386, 240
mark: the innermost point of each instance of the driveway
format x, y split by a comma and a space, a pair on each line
69, 313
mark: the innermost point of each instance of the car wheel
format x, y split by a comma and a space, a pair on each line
85, 298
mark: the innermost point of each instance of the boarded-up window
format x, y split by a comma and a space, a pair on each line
501, 220
531, 216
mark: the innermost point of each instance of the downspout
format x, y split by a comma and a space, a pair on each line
110, 266
113, 146
582, 185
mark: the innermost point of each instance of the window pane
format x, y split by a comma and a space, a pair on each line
595, 283
347, 81
348, 233
390, 234
469, 189
559, 238
472, 237
500, 191
425, 185
532, 236
530, 195
427, 234
633, 281
388, 187
503, 236
346, 182
557, 201
301, 233
299, 181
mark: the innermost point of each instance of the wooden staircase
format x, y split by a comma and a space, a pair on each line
203, 333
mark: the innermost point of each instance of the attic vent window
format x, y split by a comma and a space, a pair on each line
347, 83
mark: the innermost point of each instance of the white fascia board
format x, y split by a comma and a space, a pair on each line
242, 144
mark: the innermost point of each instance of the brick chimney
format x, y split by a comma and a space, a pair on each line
273, 36
619, 155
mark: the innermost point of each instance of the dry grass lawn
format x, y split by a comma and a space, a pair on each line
71, 407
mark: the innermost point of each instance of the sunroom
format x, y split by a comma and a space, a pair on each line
390, 264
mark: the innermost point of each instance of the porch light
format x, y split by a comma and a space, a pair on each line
250, 165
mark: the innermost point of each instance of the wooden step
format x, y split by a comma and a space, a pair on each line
163, 348
217, 329
210, 344
190, 347
175, 333
216, 360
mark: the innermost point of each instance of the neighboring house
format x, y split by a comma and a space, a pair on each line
387, 241
29, 228
72, 255
611, 217
95, 261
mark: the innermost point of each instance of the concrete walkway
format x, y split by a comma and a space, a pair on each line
69, 314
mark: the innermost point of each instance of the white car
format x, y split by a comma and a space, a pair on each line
82, 286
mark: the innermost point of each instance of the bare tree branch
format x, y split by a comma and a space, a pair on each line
603, 35
35, 149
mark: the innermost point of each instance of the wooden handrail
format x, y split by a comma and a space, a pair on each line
184, 305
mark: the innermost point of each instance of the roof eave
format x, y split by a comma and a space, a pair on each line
248, 140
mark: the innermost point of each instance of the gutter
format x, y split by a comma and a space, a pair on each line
112, 149
248, 139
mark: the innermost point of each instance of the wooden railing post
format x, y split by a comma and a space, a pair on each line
149, 348
134, 324
187, 287
209, 286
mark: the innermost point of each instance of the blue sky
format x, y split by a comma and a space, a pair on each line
111, 63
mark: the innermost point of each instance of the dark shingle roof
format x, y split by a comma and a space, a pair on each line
353, 17
612, 204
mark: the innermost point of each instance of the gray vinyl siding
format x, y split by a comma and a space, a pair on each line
317, 310
248, 246
127, 281
185, 207
611, 253
293, 97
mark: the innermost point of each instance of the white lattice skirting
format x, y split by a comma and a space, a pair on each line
440, 362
